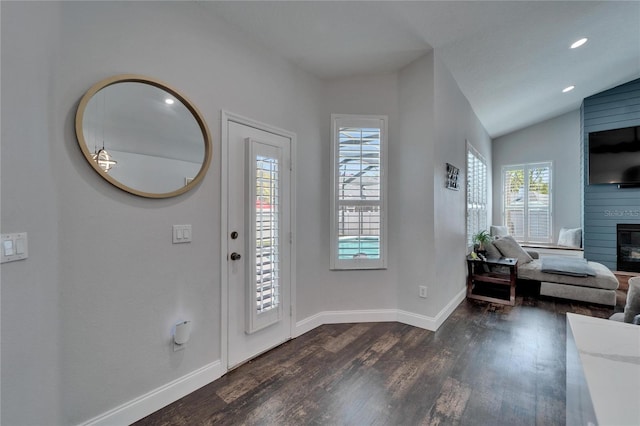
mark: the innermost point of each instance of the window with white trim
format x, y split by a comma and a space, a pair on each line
477, 193
359, 184
526, 195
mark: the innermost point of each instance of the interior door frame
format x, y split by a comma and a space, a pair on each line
227, 117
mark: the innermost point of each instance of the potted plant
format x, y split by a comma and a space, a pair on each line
479, 240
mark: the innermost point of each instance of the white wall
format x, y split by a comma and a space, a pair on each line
352, 290
436, 120
412, 196
86, 319
455, 123
31, 334
556, 140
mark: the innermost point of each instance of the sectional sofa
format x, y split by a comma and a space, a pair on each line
582, 280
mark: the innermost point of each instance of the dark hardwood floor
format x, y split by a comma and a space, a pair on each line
488, 364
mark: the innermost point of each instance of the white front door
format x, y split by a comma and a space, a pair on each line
258, 241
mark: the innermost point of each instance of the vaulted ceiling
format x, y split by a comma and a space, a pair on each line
510, 59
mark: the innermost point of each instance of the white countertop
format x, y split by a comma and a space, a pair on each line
610, 355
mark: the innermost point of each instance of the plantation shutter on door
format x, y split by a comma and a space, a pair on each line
263, 202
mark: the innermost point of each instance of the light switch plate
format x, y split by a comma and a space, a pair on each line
14, 247
181, 234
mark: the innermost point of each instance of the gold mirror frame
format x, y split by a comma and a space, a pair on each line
134, 78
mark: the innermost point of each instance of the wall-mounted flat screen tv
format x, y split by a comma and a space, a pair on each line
614, 156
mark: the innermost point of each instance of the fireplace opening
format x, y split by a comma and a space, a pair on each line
628, 242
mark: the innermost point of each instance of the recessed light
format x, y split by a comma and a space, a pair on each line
568, 89
579, 43
169, 101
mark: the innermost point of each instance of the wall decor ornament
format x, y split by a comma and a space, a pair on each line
452, 177
157, 135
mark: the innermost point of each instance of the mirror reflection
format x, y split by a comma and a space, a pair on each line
143, 136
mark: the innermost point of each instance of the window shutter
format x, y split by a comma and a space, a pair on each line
527, 202
477, 188
358, 204
514, 202
539, 204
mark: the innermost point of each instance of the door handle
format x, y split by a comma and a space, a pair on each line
235, 256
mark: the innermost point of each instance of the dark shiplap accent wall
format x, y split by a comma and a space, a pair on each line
607, 205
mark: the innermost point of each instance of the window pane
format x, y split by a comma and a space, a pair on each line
514, 202
527, 202
476, 194
539, 204
358, 232
358, 181
359, 164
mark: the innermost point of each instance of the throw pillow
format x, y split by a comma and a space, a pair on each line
498, 231
632, 307
492, 251
510, 248
570, 237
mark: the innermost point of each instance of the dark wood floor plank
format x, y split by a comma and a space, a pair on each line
450, 404
488, 364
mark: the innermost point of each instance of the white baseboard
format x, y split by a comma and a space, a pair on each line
152, 401
344, 317
379, 315
432, 323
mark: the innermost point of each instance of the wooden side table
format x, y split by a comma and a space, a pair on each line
481, 273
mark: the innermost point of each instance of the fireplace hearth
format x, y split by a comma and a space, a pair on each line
628, 242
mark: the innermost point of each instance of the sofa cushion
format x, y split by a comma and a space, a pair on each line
604, 278
498, 231
492, 251
632, 308
570, 237
510, 248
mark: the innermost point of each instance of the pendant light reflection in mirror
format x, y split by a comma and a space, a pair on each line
101, 156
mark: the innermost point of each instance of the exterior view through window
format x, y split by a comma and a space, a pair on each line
527, 201
359, 184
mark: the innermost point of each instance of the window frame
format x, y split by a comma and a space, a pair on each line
471, 197
526, 168
362, 121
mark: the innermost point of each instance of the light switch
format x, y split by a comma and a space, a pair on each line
20, 246
7, 247
14, 247
181, 234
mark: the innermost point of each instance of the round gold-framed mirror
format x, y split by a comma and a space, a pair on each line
143, 136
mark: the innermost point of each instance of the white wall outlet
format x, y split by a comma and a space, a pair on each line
422, 291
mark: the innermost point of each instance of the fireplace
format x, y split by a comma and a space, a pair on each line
628, 247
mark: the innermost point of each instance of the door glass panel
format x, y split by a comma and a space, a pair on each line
264, 201
267, 232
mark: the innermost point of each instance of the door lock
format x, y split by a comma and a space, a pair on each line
235, 256
234, 235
